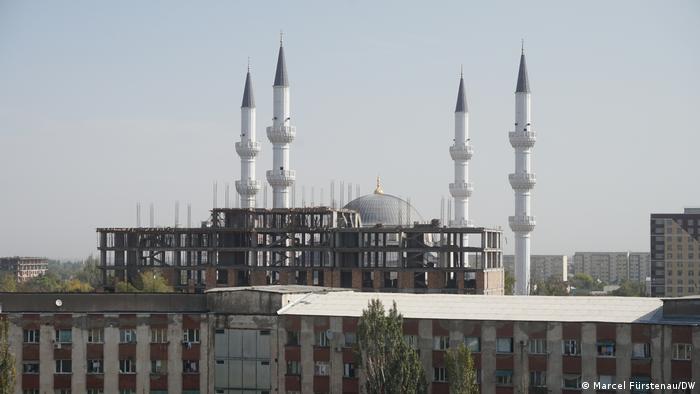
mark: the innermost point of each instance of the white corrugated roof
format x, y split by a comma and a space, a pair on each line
481, 307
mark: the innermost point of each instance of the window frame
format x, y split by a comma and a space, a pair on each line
61, 368
91, 362
499, 340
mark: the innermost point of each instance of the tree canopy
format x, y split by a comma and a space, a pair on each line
461, 374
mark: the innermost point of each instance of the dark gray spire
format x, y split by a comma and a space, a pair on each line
281, 73
461, 97
248, 98
523, 84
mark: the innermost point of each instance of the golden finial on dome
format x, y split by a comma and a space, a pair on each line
379, 189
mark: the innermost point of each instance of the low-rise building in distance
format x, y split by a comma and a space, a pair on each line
24, 268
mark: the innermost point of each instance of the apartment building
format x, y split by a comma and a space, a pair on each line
613, 267
24, 268
675, 253
542, 267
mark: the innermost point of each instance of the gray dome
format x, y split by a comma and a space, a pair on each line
383, 208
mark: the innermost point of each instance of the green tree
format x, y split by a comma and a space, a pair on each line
49, 282
7, 360
390, 364
551, 287
8, 282
508, 283
77, 286
150, 281
90, 272
461, 374
630, 289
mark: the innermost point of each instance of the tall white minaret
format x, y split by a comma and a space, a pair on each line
280, 134
461, 153
247, 187
522, 181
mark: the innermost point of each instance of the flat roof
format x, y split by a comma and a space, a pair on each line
487, 307
280, 289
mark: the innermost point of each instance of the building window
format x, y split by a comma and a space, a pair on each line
350, 339
293, 368
439, 374
30, 367
473, 344
321, 368
322, 339
411, 341
127, 366
95, 391
348, 370
570, 347
190, 366
605, 348
61, 391
441, 343
638, 383
572, 381
159, 367
127, 335
682, 351
504, 377
504, 345
537, 346
606, 380
95, 366
190, 335
159, 335
641, 350
292, 338
31, 336
538, 378
95, 335
64, 366
64, 336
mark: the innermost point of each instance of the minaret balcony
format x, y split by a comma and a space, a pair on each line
248, 187
522, 181
522, 139
281, 134
463, 189
247, 149
522, 224
461, 152
281, 178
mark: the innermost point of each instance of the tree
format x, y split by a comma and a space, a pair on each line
391, 366
8, 282
630, 289
461, 374
551, 287
7, 360
46, 283
508, 283
150, 281
77, 286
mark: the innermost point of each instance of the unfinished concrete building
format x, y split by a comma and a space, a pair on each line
317, 246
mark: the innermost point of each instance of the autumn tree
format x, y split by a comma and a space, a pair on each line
150, 281
390, 365
461, 374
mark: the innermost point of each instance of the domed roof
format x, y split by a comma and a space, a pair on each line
386, 209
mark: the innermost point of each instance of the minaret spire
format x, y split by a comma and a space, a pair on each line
461, 153
248, 148
522, 180
281, 134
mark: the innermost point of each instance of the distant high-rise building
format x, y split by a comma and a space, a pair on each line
612, 267
675, 253
24, 268
542, 267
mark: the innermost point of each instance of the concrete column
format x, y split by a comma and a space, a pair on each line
668, 351
589, 355
336, 359
307, 354
111, 357
696, 354
206, 356
143, 355
47, 366
623, 354
488, 357
78, 356
175, 354
15, 339
657, 353
521, 366
554, 363
425, 344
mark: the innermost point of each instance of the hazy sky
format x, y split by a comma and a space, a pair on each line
105, 104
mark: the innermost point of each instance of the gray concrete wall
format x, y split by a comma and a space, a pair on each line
623, 354
46, 362
589, 355
521, 368
425, 344
336, 359
16, 338
78, 355
143, 355
554, 368
488, 363
111, 357
307, 354
175, 354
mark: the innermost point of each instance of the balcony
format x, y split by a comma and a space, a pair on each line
281, 178
462, 190
461, 152
248, 187
524, 224
522, 181
522, 139
247, 149
281, 134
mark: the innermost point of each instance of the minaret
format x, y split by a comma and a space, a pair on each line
522, 181
280, 134
248, 147
461, 153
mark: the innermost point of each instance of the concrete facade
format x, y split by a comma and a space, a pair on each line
542, 267
675, 253
613, 267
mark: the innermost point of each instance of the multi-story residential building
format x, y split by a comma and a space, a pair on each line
542, 267
613, 267
299, 339
24, 268
675, 253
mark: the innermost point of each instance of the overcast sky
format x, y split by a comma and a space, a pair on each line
106, 104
